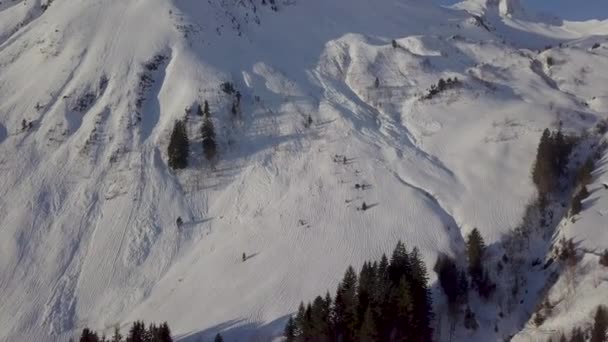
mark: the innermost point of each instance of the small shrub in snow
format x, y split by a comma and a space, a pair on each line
595, 46
550, 61
394, 43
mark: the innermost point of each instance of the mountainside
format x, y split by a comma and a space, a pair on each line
334, 110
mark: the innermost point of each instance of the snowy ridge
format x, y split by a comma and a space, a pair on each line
88, 207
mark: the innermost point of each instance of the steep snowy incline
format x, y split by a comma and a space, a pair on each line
89, 94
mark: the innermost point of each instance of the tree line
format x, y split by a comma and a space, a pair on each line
137, 333
386, 301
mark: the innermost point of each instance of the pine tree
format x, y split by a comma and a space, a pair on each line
206, 109
368, 331
179, 147
405, 327
290, 330
577, 335
448, 276
218, 338
345, 307
116, 337
162, 333
475, 250
365, 289
400, 264
543, 172
600, 325
423, 306
137, 332
381, 305
562, 338
319, 317
88, 336
463, 287
208, 138
301, 322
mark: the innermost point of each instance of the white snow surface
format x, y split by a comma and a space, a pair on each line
88, 233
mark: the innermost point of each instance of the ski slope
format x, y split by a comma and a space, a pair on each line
88, 233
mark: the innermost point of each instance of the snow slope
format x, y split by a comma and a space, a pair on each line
88, 205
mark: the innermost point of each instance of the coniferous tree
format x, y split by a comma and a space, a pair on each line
368, 331
577, 335
382, 283
208, 138
88, 336
392, 311
563, 338
551, 161
423, 306
345, 307
331, 318
463, 286
116, 337
365, 289
319, 320
475, 250
301, 323
290, 330
543, 173
218, 338
405, 326
448, 275
206, 108
600, 325
137, 333
400, 264
162, 333
179, 147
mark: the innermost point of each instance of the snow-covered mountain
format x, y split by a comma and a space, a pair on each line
89, 94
